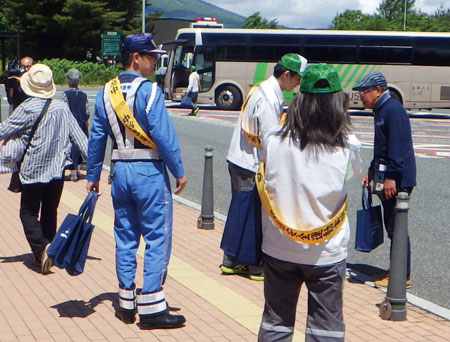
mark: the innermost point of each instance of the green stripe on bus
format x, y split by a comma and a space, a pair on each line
362, 73
352, 76
339, 68
346, 71
260, 72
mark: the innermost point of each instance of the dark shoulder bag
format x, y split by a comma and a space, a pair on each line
15, 185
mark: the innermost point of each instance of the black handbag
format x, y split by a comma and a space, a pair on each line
369, 224
15, 185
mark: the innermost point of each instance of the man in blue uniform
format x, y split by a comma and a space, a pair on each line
131, 111
393, 152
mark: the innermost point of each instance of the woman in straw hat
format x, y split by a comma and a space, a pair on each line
302, 186
42, 168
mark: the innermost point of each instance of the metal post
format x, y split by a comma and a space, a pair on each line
143, 15
404, 19
394, 306
206, 218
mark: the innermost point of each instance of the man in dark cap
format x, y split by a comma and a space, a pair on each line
394, 163
131, 111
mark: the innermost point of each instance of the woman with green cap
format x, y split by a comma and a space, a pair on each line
302, 179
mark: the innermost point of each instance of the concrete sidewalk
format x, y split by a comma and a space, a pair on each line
59, 307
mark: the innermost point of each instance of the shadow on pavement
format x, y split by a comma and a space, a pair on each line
82, 309
27, 259
366, 271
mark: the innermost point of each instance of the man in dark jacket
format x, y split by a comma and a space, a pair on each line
393, 153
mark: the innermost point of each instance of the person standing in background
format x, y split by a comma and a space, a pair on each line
302, 183
393, 155
78, 104
14, 92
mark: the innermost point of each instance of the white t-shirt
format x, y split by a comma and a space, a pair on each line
193, 82
307, 188
262, 114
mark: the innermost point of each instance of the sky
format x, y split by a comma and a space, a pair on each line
312, 13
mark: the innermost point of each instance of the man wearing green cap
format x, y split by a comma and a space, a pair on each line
261, 112
193, 89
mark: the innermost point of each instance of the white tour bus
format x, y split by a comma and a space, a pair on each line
231, 61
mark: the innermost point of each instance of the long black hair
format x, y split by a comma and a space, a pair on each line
320, 120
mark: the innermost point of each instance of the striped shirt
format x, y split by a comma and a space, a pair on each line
49, 151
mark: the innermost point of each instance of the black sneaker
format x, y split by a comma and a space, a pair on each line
194, 111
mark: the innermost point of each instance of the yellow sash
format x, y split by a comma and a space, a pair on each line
251, 137
126, 117
310, 236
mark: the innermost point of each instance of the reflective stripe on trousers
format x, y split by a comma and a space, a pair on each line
142, 207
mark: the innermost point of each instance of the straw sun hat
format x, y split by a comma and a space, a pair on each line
38, 82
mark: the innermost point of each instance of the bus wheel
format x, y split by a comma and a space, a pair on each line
395, 95
228, 98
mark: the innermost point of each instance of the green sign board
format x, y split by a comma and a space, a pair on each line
111, 43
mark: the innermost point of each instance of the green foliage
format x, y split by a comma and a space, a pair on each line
93, 74
255, 21
394, 10
391, 18
69, 28
4, 23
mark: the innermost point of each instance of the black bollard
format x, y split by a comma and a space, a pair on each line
206, 218
394, 306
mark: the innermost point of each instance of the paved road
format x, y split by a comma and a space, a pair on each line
429, 216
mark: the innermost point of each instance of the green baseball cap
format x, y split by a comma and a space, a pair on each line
320, 79
294, 62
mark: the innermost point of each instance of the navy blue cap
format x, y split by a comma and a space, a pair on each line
139, 42
373, 79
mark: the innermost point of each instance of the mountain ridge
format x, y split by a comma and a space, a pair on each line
190, 9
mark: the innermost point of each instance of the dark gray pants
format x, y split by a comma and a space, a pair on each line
282, 284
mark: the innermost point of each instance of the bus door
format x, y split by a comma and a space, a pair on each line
182, 61
204, 62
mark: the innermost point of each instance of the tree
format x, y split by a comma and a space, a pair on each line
356, 20
394, 10
69, 28
4, 24
257, 22
83, 23
390, 18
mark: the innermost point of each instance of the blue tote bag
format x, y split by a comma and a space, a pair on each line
186, 101
70, 245
369, 224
